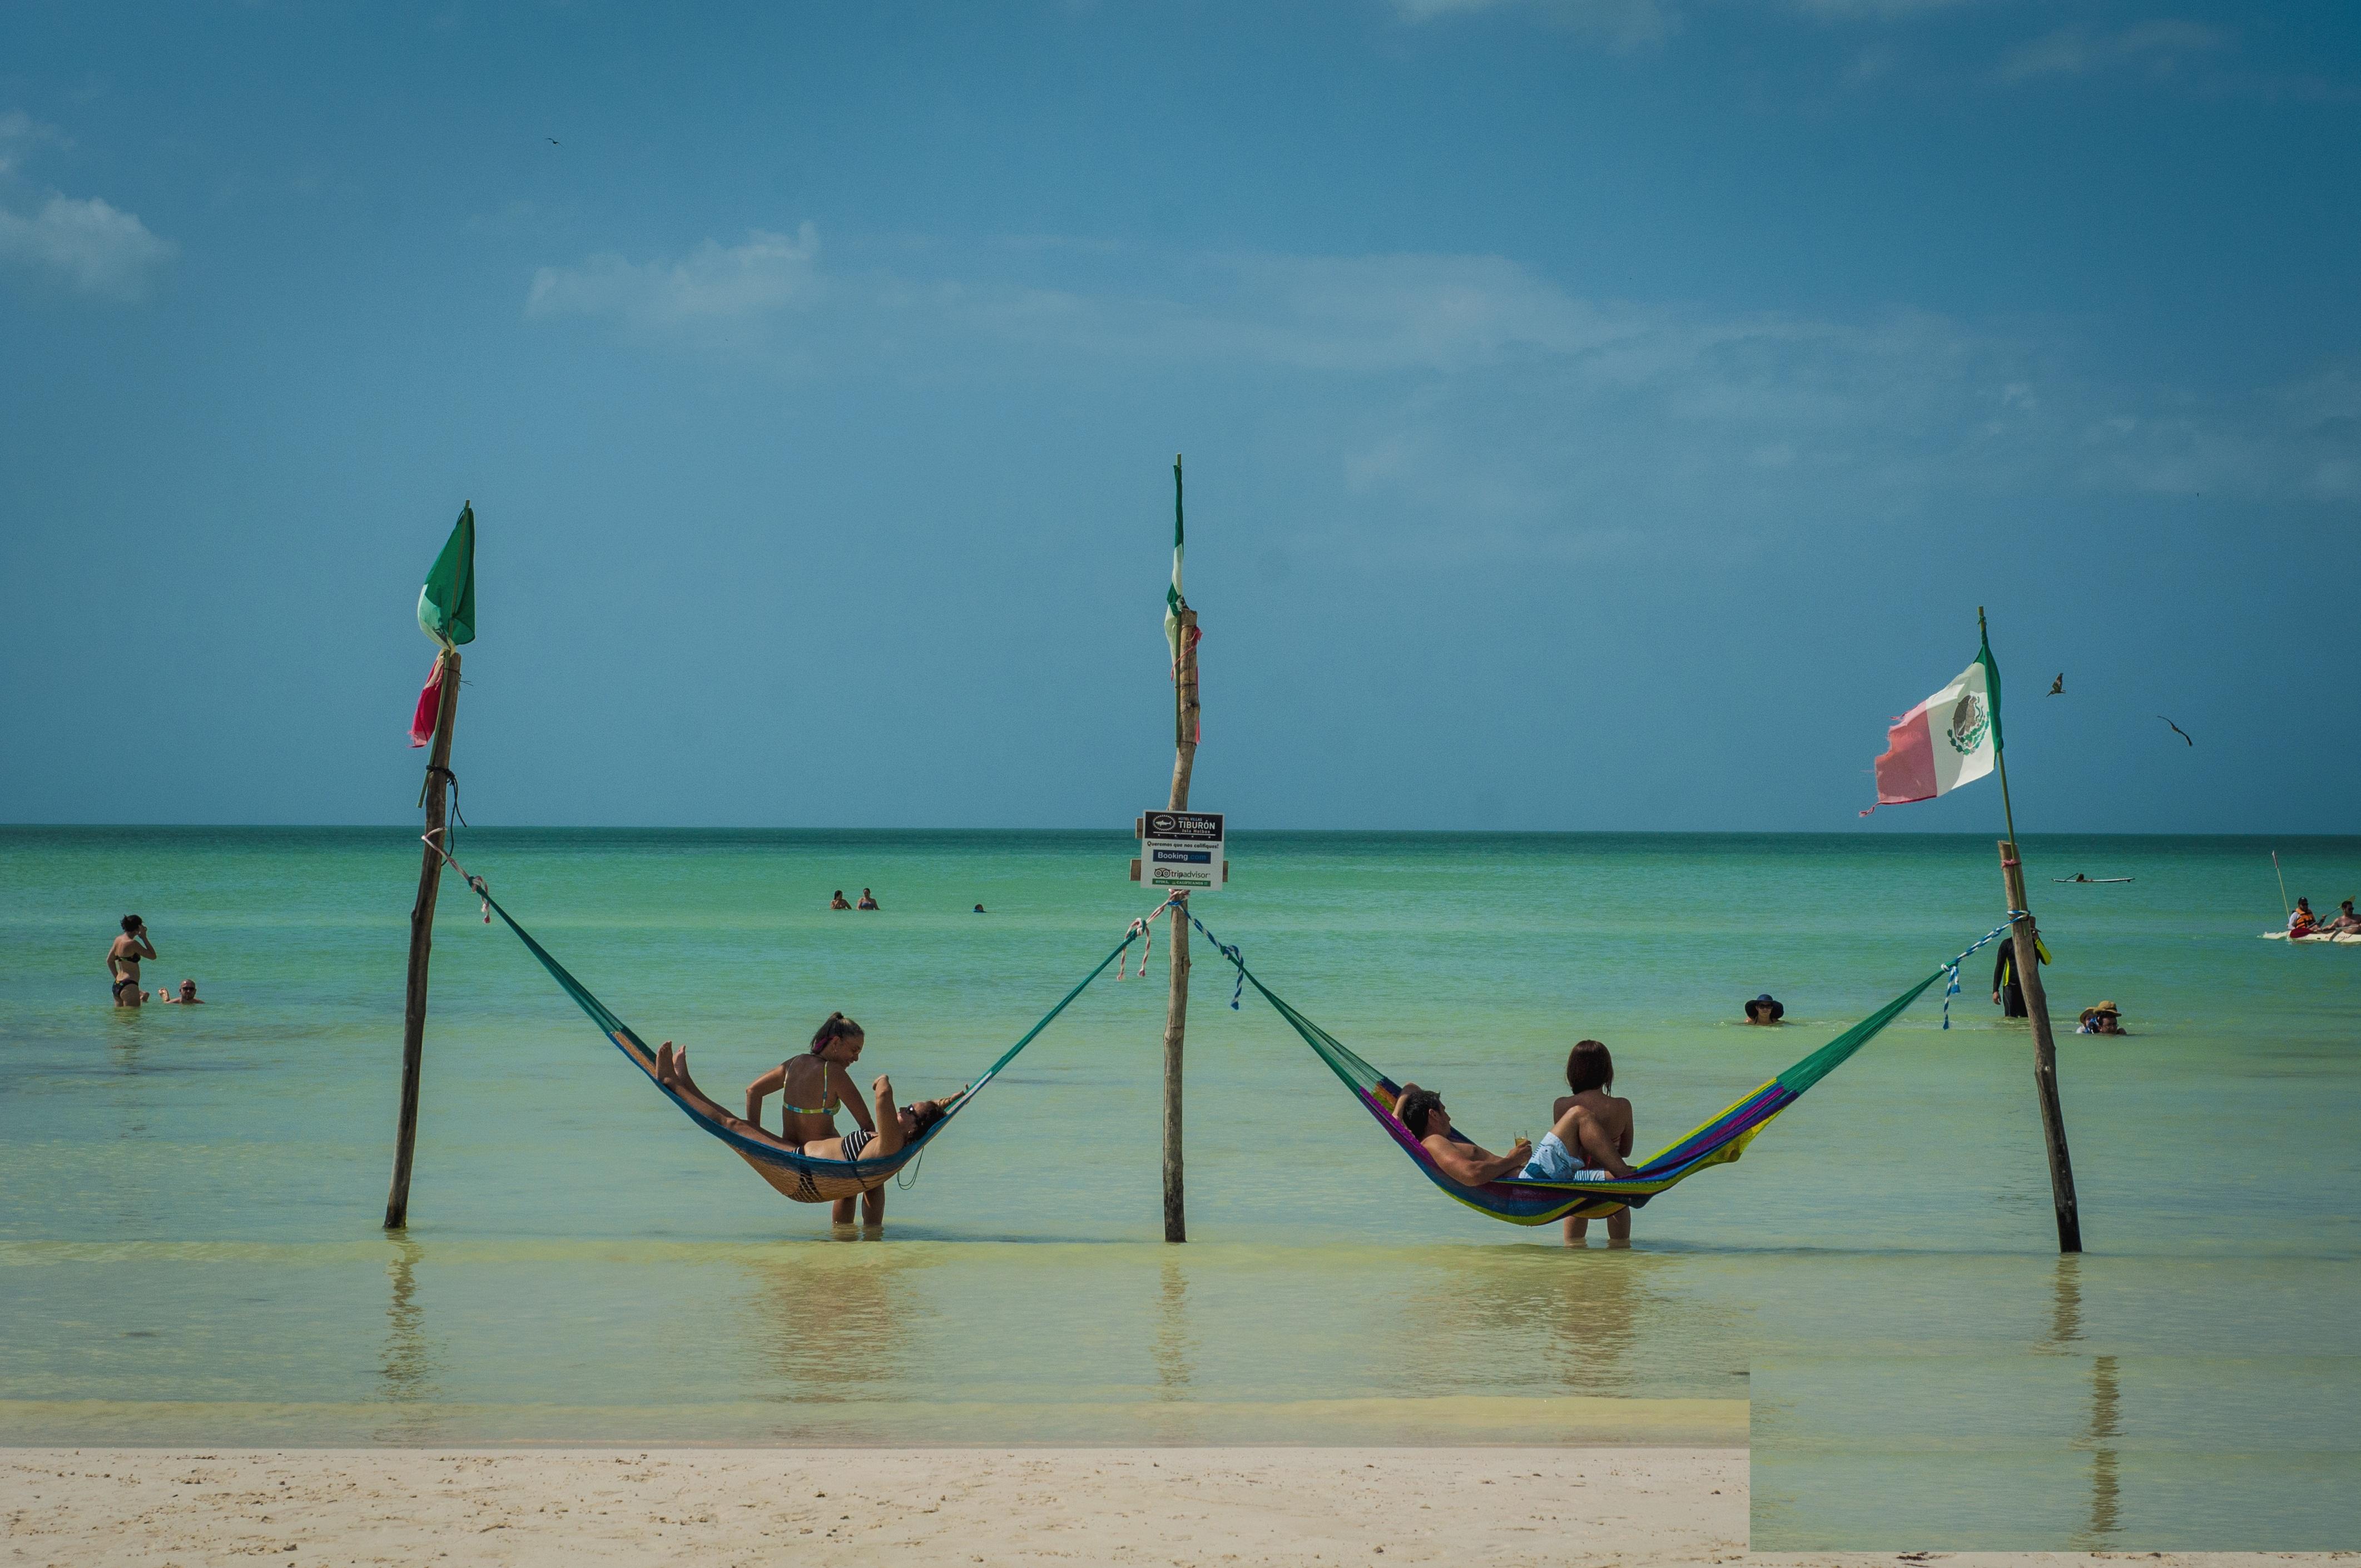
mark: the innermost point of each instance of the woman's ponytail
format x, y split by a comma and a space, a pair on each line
836, 1026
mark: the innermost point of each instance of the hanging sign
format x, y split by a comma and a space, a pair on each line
1180, 850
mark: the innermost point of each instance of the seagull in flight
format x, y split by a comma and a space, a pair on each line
2057, 686
553, 141
2177, 729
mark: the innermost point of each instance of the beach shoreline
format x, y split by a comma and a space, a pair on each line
150, 1508
991, 1505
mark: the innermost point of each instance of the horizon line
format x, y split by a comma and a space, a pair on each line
1995, 833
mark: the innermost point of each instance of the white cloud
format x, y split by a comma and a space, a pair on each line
715, 290
2160, 47
1882, 9
92, 247
20, 132
1475, 387
1627, 24
1339, 314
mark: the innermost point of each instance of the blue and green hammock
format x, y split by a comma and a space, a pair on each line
792, 1173
1520, 1202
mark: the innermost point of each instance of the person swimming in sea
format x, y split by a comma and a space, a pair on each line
838, 902
123, 958
2103, 1019
1765, 1009
188, 996
868, 899
811, 1088
1600, 1126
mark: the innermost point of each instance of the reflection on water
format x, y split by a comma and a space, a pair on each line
1552, 1320
1171, 1351
2105, 1502
406, 1369
828, 1323
2104, 1423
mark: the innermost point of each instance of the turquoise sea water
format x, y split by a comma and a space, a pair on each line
190, 1198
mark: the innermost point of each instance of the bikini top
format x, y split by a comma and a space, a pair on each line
827, 1099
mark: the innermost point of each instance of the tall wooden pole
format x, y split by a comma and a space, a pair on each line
2025, 940
1176, 1005
2045, 1053
421, 942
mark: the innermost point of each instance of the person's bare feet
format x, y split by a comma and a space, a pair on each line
663, 1063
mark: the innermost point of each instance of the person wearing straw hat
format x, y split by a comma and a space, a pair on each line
2103, 1019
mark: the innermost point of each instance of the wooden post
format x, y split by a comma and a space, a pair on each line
1176, 1006
2044, 1053
421, 941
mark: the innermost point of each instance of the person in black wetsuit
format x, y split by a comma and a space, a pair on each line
2007, 988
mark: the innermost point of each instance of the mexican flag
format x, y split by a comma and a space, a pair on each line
1951, 738
1172, 595
446, 612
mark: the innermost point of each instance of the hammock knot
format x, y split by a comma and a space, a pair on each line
1229, 952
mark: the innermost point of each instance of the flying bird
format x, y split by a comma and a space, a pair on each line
553, 141
2177, 729
2057, 686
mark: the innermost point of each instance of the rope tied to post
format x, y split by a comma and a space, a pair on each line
475, 884
1146, 926
1229, 952
1952, 970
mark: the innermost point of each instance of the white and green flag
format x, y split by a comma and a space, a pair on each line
1172, 600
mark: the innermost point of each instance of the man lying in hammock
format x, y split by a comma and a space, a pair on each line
1421, 1110
896, 1128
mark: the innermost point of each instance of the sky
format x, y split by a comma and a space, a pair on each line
1599, 414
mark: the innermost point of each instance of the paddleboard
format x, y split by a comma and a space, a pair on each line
2089, 880
2341, 939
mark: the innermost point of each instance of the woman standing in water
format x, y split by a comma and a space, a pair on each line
811, 1088
1593, 1128
123, 961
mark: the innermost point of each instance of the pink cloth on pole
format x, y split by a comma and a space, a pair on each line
1906, 771
430, 705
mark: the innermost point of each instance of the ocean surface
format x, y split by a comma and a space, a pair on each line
190, 1199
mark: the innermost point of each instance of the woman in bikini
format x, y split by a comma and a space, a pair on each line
811, 1088
123, 961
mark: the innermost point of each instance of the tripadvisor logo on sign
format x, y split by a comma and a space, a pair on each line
1970, 724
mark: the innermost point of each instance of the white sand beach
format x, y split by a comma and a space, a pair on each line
1216, 1506
1179, 1505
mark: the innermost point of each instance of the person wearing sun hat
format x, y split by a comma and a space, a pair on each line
2103, 1019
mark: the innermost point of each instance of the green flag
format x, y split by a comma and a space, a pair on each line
446, 605
1172, 595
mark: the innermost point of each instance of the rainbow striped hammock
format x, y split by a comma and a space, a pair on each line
776, 1161
1718, 1142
